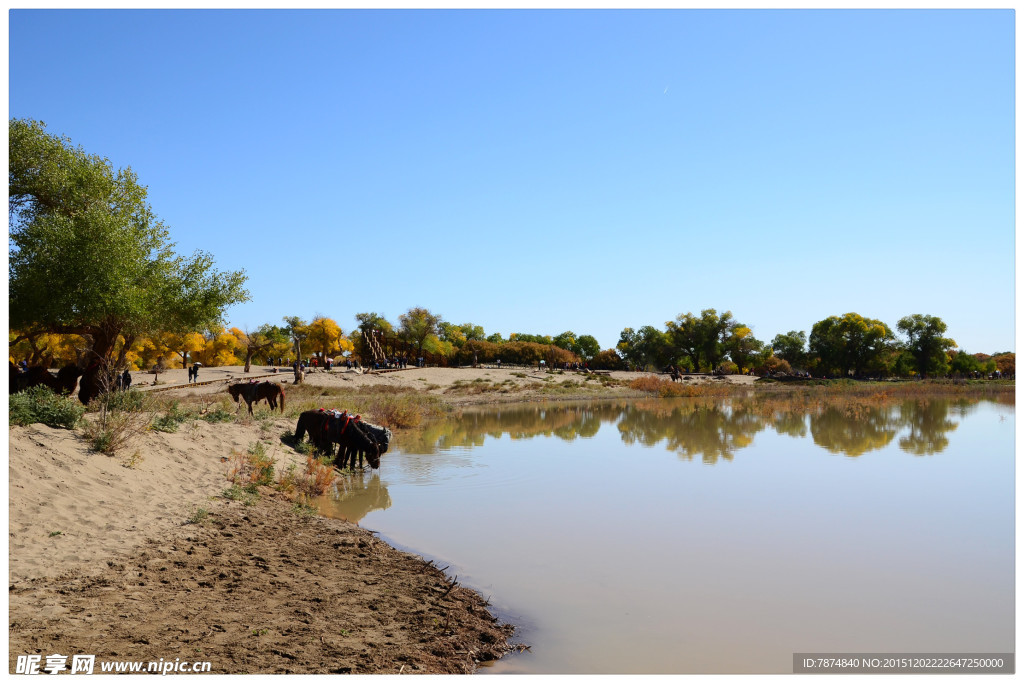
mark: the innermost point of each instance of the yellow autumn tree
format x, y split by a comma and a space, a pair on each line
157, 349
219, 349
46, 349
325, 338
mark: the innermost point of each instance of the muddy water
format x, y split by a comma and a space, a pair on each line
681, 537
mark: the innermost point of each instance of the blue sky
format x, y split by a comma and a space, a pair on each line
548, 170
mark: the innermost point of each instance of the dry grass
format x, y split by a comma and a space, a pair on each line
315, 480
815, 391
252, 468
395, 407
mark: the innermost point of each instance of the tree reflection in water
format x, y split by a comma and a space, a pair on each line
710, 429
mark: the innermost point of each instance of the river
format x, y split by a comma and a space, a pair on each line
687, 536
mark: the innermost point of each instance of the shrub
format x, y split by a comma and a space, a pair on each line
219, 414
607, 360
773, 364
317, 478
131, 401
40, 404
252, 468
248, 495
729, 368
119, 416
262, 465
111, 433
172, 418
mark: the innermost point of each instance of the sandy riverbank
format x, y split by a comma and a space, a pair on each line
110, 556
523, 384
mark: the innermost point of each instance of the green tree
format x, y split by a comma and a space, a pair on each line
566, 340
586, 347
298, 330
645, 347
702, 340
926, 343
452, 334
263, 341
744, 350
472, 332
965, 363
791, 347
367, 322
851, 343
88, 255
530, 338
416, 325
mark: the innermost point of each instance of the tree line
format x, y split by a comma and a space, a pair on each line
94, 279
848, 345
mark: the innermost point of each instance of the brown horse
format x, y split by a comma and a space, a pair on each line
63, 383
254, 392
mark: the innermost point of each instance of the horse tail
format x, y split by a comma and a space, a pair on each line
282, 399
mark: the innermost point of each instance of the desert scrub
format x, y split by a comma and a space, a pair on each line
173, 417
252, 468
218, 413
115, 418
303, 509
40, 404
315, 480
130, 401
666, 388
394, 407
248, 494
198, 516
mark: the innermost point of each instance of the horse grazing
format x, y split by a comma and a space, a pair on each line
254, 392
64, 383
326, 428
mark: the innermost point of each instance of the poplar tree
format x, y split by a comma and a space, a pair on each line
88, 255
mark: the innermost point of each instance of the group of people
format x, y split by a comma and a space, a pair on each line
314, 362
397, 363
123, 382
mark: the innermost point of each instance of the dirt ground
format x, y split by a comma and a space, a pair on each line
261, 589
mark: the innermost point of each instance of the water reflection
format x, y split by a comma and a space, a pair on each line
606, 572
929, 427
707, 429
354, 496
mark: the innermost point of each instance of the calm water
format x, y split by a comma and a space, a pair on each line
681, 537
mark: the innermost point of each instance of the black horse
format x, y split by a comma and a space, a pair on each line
326, 428
380, 435
63, 383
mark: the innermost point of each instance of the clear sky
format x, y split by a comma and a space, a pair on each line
541, 171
